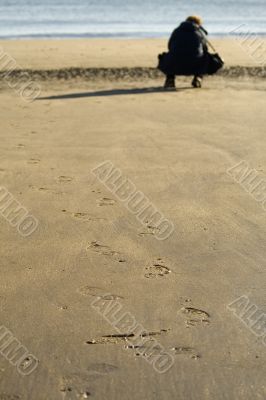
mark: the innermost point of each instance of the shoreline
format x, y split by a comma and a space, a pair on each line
223, 36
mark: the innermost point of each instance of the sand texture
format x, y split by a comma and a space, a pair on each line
176, 147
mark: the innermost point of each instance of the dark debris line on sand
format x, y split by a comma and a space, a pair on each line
119, 73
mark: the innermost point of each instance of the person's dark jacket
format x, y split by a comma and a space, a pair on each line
187, 51
188, 41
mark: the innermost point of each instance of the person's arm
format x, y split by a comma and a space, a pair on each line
204, 41
203, 30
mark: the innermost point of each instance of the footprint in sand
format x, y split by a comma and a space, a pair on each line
185, 301
44, 190
145, 350
33, 161
195, 316
98, 292
96, 247
5, 396
97, 191
102, 369
157, 270
105, 201
83, 216
189, 352
75, 387
106, 340
72, 393
64, 179
149, 231
124, 337
20, 146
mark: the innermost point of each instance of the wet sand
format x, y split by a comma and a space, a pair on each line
176, 148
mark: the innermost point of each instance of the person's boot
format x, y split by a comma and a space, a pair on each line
170, 83
197, 82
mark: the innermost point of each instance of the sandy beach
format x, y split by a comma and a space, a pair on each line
176, 148
114, 53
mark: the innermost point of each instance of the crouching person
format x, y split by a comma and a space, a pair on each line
188, 54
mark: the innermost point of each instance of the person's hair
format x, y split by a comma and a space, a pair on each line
194, 18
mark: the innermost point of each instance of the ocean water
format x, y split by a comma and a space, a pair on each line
125, 18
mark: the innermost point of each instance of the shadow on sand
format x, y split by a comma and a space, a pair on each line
114, 92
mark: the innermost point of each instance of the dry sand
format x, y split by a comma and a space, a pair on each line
102, 53
176, 148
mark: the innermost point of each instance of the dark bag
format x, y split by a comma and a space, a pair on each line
215, 62
165, 64
169, 65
